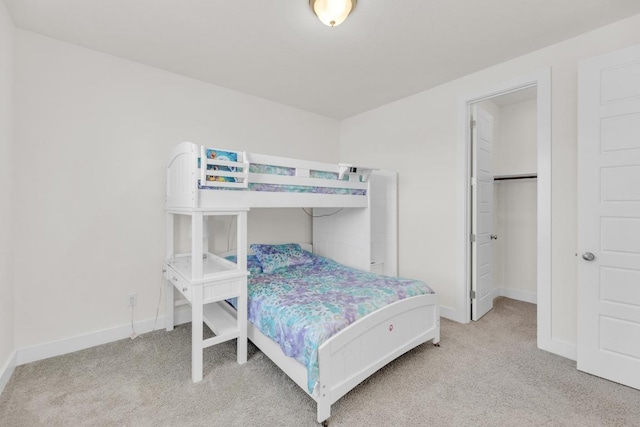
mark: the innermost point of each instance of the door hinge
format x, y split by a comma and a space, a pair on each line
473, 124
472, 294
472, 238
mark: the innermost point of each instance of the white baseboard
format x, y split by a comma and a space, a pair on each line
530, 297
7, 371
561, 348
459, 316
92, 339
555, 346
451, 314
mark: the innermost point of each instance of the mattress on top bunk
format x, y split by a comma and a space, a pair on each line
281, 188
301, 306
283, 171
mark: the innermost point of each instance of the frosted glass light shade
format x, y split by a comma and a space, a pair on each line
332, 12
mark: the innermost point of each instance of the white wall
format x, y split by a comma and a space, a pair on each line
92, 135
515, 201
7, 323
516, 136
515, 251
417, 137
515, 219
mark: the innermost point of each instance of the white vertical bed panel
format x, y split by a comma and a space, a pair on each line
359, 236
383, 202
181, 180
343, 237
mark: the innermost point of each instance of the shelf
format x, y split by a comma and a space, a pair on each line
206, 281
213, 268
218, 211
515, 177
223, 324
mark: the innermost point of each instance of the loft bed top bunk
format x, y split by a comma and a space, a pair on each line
202, 178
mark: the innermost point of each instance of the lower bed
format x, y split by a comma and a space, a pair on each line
329, 326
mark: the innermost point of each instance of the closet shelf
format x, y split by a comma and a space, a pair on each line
515, 177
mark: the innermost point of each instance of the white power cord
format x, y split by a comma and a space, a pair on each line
322, 216
133, 335
229, 233
155, 321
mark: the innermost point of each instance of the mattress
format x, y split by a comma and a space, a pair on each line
301, 307
284, 171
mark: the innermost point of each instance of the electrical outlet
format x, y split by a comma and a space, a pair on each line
132, 300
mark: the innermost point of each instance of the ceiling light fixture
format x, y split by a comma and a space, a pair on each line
332, 12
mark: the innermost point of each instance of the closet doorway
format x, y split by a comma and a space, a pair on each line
503, 199
467, 292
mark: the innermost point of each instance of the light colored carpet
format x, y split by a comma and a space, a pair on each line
487, 373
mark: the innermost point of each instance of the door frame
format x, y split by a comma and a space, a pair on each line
541, 79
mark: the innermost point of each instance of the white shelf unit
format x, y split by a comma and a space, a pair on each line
206, 281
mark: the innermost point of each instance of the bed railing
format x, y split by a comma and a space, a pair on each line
259, 180
224, 173
273, 170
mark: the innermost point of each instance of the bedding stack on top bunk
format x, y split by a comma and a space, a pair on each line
280, 181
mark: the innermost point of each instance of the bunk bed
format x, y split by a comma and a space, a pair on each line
202, 182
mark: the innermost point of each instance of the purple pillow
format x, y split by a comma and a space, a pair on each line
275, 257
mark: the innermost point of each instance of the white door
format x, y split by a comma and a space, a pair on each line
609, 217
482, 213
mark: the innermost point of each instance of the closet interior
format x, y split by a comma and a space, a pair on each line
514, 194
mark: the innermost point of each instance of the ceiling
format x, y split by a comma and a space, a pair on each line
279, 50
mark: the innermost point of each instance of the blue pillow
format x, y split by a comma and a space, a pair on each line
228, 156
253, 265
275, 257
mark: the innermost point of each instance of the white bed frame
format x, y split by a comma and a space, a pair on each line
350, 356
183, 174
355, 353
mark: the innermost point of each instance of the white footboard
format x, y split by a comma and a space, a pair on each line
358, 351
352, 355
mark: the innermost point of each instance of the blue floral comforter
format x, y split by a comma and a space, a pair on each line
303, 306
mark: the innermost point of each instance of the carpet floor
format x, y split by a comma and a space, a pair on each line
487, 373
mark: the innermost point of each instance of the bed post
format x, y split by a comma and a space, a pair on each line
203, 166
242, 300
436, 338
197, 297
324, 388
197, 228
324, 409
196, 334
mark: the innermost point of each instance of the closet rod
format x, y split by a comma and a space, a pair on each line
505, 178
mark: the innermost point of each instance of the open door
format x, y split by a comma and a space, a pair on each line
482, 213
608, 343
